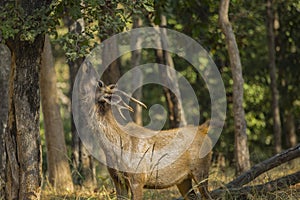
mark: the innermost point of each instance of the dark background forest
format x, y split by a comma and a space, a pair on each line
267, 37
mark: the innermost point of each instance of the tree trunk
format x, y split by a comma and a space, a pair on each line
174, 103
273, 84
112, 72
23, 145
75, 157
137, 78
4, 86
291, 136
81, 159
57, 159
241, 147
22, 136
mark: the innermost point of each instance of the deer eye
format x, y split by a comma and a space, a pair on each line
100, 84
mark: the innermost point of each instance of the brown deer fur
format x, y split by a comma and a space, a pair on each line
188, 166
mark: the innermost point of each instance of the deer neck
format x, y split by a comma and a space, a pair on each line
110, 127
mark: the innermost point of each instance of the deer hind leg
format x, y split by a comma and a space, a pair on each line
186, 189
201, 179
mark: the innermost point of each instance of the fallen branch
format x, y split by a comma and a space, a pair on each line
264, 166
235, 188
277, 184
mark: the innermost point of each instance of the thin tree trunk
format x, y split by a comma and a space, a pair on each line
82, 161
291, 136
112, 73
57, 159
23, 145
241, 146
138, 76
175, 108
4, 86
75, 157
273, 85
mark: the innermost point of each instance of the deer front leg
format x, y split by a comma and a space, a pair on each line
122, 190
136, 191
136, 185
186, 189
201, 179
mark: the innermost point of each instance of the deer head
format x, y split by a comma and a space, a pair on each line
107, 96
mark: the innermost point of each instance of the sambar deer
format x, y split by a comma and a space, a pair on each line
188, 165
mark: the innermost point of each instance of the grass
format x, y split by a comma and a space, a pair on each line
218, 177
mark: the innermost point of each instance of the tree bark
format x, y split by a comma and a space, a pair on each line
138, 76
241, 146
23, 146
82, 161
272, 70
4, 86
174, 103
22, 137
291, 136
57, 159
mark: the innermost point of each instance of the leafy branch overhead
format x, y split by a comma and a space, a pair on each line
26, 26
101, 19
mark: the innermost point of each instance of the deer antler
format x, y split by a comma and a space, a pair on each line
130, 97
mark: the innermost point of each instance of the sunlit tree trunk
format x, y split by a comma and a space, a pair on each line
57, 159
4, 86
137, 78
273, 77
174, 103
241, 146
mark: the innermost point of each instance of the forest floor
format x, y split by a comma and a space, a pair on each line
218, 178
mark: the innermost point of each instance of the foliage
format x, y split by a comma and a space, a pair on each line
101, 19
26, 26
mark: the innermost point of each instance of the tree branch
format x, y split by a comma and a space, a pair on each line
280, 183
234, 188
264, 166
